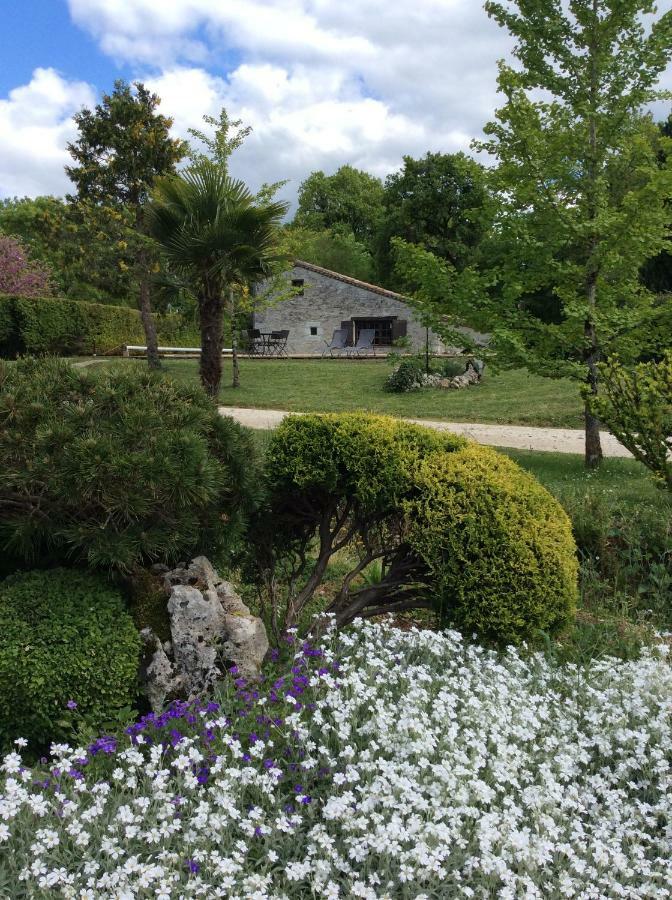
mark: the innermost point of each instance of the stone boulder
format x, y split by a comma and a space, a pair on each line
211, 629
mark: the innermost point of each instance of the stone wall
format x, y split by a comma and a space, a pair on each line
327, 301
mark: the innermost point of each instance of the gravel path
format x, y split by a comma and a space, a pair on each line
520, 437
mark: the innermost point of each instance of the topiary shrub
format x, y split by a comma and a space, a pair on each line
452, 526
65, 638
116, 469
499, 547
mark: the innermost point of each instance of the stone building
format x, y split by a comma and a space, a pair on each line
328, 300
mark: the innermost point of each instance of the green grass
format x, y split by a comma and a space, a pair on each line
341, 385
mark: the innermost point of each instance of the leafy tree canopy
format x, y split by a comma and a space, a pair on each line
19, 274
333, 248
582, 195
350, 198
440, 202
123, 145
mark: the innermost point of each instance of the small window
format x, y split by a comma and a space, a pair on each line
313, 330
298, 283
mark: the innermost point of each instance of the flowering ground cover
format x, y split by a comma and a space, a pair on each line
382, 764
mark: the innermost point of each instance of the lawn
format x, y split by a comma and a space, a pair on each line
514, 398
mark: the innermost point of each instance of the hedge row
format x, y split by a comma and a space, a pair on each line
40, 325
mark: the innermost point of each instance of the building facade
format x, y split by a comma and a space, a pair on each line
327, 301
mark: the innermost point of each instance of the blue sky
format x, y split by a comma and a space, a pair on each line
321, 82
41, 33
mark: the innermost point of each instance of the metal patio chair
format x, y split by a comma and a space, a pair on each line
255, 342
277, 343
365, 343
338, 342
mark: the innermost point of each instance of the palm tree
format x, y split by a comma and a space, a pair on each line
217, 237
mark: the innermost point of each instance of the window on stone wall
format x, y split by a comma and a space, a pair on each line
313, 330
298, 283
382, 328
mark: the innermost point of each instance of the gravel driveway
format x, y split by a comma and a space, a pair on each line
520, 437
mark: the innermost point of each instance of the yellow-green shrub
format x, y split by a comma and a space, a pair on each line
452, 525
498, 546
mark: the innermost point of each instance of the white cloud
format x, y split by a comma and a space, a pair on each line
35, 126
322, 82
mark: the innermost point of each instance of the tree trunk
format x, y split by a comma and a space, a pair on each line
211, 316
145, 302
234, 340
148, 319
594, 454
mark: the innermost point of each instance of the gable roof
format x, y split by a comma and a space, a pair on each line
346, 279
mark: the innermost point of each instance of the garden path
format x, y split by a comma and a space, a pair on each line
519, 437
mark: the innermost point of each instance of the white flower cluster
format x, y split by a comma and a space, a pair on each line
430, 769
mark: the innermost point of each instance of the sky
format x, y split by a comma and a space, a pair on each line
321, 82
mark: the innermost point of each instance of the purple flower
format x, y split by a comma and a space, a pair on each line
71, 704
202, 777
192, 866
105, 744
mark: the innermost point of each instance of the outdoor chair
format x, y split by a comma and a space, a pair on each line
277, 343
338, 342
255, 342
365, 343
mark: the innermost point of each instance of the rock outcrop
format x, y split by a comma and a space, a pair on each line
211, 629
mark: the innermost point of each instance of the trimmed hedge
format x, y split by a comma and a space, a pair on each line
64, 636
70, 327
498, 544
450, 525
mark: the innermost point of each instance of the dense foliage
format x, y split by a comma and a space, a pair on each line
636, 406
116, 469
583, 200
87, 248
69, 327
349, 199
440, 202
449, 526
69, 655
366, 771
19, 274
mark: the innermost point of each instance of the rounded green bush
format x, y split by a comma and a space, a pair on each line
116, 468
449, 524
65, 637
499, 546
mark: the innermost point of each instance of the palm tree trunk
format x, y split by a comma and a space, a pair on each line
234, 340
211, 316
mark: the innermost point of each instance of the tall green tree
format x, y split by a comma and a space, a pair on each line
219, 238
333, 248
123, 146
583, 198
441, 203
350, 198
85, 246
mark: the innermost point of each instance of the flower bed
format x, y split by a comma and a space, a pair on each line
385, 764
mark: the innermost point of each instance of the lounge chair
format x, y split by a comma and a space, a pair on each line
365, 343
338, 342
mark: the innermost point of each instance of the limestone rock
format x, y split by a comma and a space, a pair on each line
211, 628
